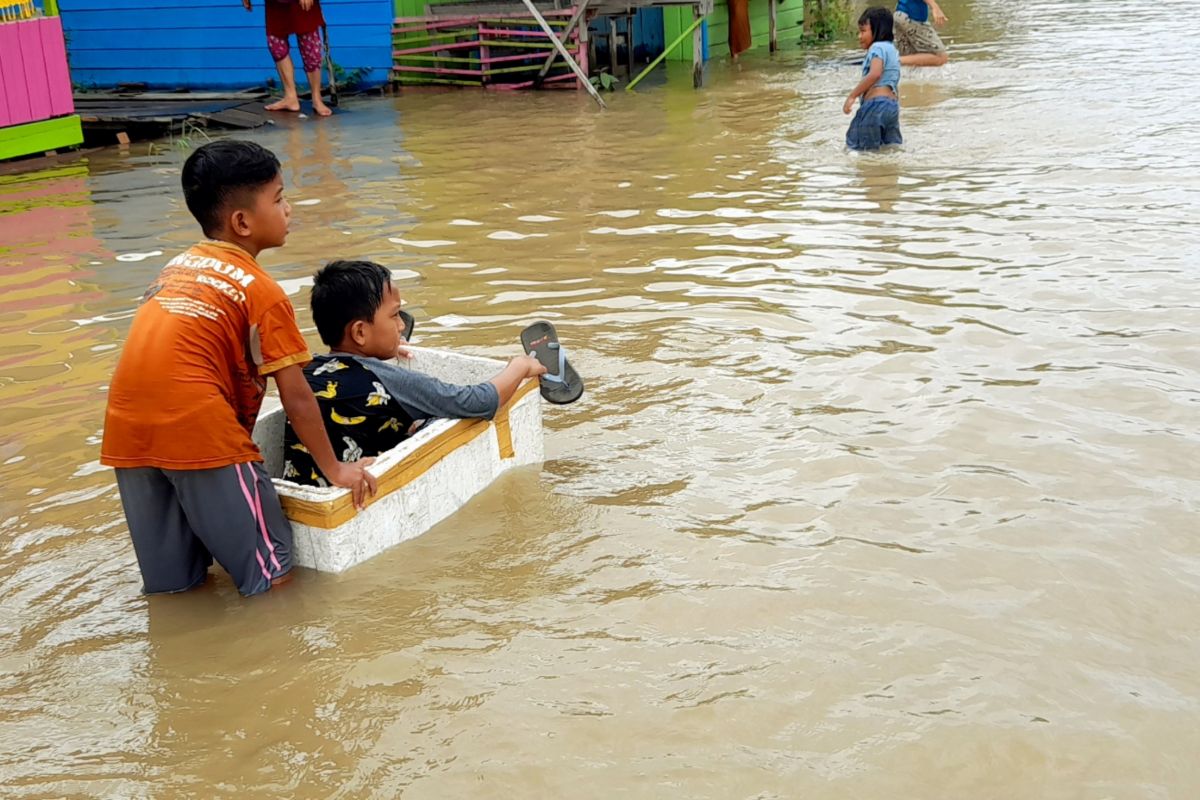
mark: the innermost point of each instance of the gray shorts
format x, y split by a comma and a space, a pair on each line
180, 520
915, 37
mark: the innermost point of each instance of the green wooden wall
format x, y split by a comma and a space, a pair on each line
35, 138
789, 19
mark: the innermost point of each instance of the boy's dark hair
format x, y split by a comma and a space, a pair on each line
222, 172
880, 20
344, 292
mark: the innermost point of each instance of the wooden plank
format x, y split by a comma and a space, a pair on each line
612, 46
129, 98
5, 117
244, 116
182, 108
12, 74
471, 60
29, 34
697, 51
58, 74
40, 137
533, 47
466, 72
493, 9
240, 34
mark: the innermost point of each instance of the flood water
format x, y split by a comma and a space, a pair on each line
884, 485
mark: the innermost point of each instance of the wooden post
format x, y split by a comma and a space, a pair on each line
629, 42
773, 27
612, 46
697, 49
585, 50
484, 53
562, 51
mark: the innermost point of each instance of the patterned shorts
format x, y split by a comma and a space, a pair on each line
310, 49
915, 37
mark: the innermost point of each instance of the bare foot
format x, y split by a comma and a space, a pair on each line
320, 109
286, 104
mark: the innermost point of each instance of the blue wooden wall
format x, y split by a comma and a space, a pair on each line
647, 34
202, 44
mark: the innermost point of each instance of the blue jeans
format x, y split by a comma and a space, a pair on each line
877, 123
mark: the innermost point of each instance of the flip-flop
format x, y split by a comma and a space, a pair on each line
409, 322
561, 384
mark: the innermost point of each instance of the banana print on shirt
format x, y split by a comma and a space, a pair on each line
331, 366
379, 396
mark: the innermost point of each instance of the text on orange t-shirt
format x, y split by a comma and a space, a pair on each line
191, 379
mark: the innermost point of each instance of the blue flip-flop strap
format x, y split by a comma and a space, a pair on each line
560, 376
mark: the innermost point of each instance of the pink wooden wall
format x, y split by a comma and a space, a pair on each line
35, 83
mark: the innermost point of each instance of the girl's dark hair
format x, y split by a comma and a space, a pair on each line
222, 172
880, 20
344, 292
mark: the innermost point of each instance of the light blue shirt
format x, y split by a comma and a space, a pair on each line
916, 9
887, 53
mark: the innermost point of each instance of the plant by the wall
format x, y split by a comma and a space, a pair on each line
826, 19
605, 81
351, 80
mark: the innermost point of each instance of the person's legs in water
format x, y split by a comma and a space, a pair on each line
287, 75
918, 43
311, 53
925, 59
876, 124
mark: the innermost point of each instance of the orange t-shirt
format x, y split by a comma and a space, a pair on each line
193, 372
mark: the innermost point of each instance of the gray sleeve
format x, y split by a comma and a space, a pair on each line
424, 397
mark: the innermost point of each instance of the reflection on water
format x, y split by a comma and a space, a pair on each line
883, 480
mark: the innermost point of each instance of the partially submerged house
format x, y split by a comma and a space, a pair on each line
37, 113
218, 45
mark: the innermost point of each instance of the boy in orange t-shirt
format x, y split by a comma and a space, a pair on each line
187, 389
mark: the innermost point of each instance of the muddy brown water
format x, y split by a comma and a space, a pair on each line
884, 485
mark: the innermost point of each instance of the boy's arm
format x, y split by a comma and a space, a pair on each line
424, 397
935, 13
301, 408
508, 380
869, 80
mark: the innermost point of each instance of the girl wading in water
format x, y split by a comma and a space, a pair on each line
303, 19
877, 122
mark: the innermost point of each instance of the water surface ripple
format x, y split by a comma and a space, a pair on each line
883, 486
